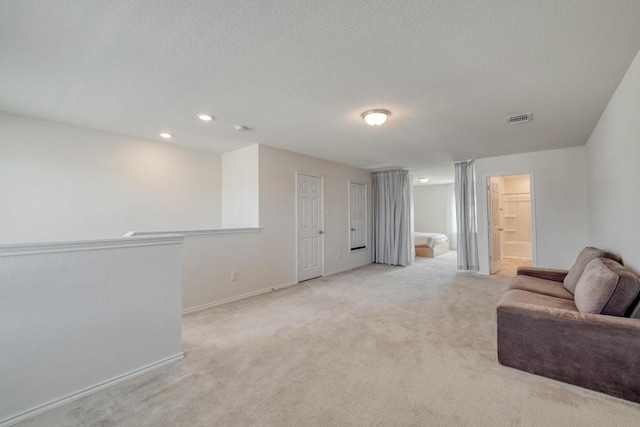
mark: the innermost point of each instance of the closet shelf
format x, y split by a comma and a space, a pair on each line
511, 231
510, 216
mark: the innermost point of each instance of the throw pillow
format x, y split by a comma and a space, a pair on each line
606, 287
585, 256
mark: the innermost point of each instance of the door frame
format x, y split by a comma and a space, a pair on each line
534, 233
322, 221
366, 214
491, 224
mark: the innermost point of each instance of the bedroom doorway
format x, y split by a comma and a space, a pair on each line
309, 226
434, 217
510, 215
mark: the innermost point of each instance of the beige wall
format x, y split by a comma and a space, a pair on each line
559, 199
240, 188
61, 183
65, 183
516, 184
613, 161
266, 259
277, 209
430, 208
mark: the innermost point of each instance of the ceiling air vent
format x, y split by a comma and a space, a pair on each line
520, 118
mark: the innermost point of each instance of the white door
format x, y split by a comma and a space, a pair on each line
357, 215
310, 227
494, 223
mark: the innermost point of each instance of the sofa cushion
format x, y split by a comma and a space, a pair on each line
543, 273
585, 256
606, 287
543, 303
590, 350
540, 286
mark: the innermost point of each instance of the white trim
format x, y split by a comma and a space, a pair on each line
534, 233
285, 285
366, 215
236, 298
191, 233
14, 419
342, 270
261, 291
88, 245
490, 220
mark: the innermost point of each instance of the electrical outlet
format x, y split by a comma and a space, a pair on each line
234, 276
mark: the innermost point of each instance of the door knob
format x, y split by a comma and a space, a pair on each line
320, 232
353, 229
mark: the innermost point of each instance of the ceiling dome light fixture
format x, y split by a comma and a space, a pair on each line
166, 135
423, 180
205, 117
376, 117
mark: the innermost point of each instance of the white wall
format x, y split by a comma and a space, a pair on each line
60, 183
430, 208
240, 188
80, 316
560, 203
613, 161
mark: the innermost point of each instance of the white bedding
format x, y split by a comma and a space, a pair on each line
429, 239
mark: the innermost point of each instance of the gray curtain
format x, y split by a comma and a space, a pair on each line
466, 216
452, 227
392, 239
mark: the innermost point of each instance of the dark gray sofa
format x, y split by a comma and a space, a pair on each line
580, 326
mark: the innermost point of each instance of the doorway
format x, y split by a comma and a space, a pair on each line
310, 226
511, 237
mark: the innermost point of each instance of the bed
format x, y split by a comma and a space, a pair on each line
430, 245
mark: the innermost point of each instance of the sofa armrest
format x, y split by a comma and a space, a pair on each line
594, 351
543, 273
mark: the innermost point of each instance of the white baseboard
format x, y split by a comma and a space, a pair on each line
286, 285
260, 291
236, 298
87, 391
347, 269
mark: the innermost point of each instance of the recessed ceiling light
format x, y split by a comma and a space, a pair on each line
375, 117
423, 180
205, 117
166, 135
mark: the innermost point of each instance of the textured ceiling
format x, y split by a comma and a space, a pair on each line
437, 174
299, 74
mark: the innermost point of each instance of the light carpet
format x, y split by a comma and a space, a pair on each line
510, 266
376, 346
